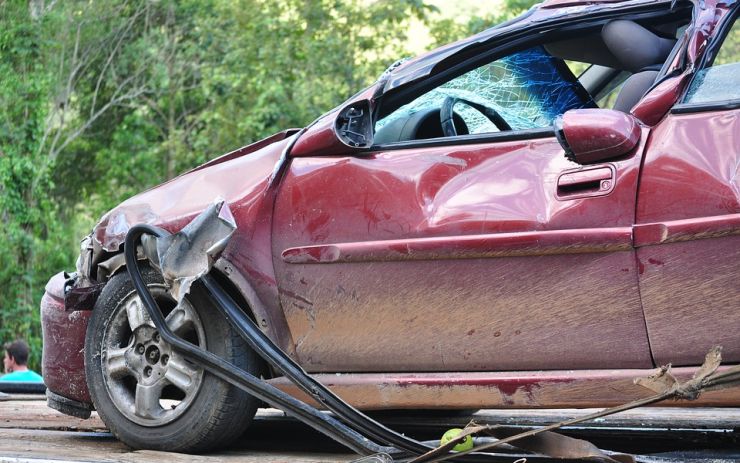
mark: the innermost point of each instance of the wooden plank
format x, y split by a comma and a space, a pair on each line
29, 412
17, 445
30, 432
656, 417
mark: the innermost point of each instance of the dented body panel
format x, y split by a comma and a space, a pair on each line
690, 192
244, 178
437, 253
247, 183
475, 266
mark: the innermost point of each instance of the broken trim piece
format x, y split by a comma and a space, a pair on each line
229, 372
189, 254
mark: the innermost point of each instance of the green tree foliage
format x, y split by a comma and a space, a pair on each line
30, 222
297, 59
102, 99
450, 29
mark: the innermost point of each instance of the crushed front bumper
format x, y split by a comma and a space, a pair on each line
63, 359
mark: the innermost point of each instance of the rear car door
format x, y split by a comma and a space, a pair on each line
487, 250
688, 214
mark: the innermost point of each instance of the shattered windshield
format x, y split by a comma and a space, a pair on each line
528, 89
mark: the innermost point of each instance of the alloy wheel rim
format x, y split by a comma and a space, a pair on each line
147, 381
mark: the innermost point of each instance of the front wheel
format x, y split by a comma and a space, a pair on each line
150, 396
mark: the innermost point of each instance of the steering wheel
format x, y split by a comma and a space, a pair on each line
446, 115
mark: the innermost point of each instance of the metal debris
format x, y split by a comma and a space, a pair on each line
189, 254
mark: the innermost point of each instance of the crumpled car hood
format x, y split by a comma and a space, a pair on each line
234, 177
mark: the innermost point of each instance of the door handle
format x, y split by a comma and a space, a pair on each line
586, 182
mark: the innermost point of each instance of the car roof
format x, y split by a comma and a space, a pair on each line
542, 13
566, 3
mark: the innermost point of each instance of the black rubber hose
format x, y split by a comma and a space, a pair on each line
266, 349
357, 420
322, 422
346, 434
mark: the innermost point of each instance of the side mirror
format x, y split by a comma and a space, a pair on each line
354, 125
594, 135
349, 130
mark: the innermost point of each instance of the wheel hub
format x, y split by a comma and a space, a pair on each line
148, 356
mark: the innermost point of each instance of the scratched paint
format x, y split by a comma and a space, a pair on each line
406, 238
537, 389
688, 214
63, 360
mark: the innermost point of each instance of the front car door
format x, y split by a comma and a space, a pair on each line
466, 252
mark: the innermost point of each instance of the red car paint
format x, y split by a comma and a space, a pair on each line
689, 186
430, 259
64, 337
448, 204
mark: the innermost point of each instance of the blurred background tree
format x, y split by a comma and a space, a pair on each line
102, 99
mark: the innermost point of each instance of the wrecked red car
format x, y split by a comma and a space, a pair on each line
479, 228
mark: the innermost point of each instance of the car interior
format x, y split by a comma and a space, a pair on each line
622, 61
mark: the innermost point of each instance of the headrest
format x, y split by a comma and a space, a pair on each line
634, 46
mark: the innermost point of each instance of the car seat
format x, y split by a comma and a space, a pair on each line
639, 51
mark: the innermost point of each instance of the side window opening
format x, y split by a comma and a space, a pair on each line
527, 89
720, 80
616, 63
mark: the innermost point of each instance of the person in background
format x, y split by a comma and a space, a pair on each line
15, 363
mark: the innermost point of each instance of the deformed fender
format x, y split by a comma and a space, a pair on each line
246, 180
271, 322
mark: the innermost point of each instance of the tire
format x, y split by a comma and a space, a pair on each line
147, 394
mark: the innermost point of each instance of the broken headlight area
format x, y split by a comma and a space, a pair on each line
81, 290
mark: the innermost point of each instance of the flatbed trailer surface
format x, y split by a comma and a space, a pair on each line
30, 432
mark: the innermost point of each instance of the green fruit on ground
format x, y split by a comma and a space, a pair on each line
466, 444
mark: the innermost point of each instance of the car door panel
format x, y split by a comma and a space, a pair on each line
461, 257
688, 236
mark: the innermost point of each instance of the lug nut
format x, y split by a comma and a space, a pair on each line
140, 349
147, 371
156, 337
165, 359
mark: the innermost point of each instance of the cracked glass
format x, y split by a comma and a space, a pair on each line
528, 89
721, 81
